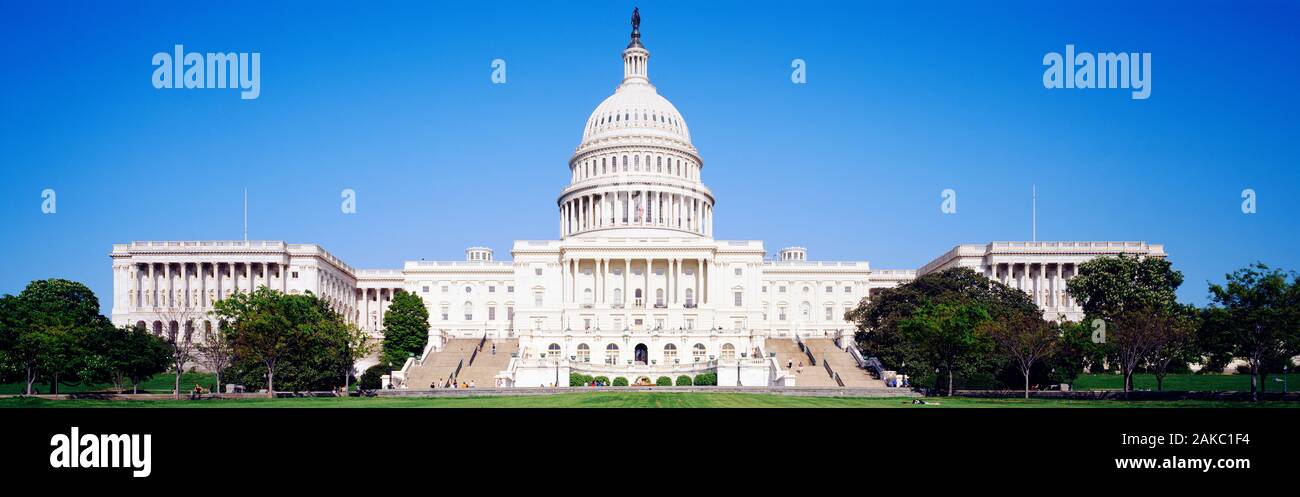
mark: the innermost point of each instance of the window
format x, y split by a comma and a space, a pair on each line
537, 271
780, 289
830, 313
690, 297
584, 353
537, 298
830, 289
699, 352
728, 352
618, 296
659, 297
492, 313
690, 324
469, 289
636, 297
611, 354
765, 289
805, 311
492, 289
510, 313
424, 289
469, 311
444, 313
444, 289
553, 351
780, 314
848, 289
295, 275
510, 289
739, 271
670, 354
740, 299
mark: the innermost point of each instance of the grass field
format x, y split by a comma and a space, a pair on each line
1185, 382
158, 384
628, 399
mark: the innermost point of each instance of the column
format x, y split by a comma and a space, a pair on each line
699, 277
627, 275
646, 293
1039, 293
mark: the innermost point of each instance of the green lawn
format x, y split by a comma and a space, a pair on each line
158, 384
629, 399
1185, 382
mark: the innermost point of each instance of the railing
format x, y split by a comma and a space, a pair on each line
474, 355
835, 376
454, 374
812, 361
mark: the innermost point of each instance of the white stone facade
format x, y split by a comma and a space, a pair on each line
635, 265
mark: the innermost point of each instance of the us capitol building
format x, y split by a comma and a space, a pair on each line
636, 286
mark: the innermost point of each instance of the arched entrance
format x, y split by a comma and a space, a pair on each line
641, 354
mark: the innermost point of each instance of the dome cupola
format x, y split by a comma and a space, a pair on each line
636, 168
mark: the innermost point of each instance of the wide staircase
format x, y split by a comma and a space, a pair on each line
483, 371
787, 351
440, 365
839, 360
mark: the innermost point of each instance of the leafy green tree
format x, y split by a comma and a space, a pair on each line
1107, 286
1074, 352
216, 351
295, 339
44, 327
406, 329
944, 336
357, 344
1024, 340
877, 320
1174, 342
121, 355
1257, 311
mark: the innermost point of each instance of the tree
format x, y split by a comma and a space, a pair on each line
298, 339
121, 355
1174, 341
215, 351
406, 329
44, 328
262, 329
1257, 309
1132, 338
878, 319
1109, 285
146, 356
944, 336
357, 344
178, 334
1024, 340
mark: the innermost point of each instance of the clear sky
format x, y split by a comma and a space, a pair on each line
902, 101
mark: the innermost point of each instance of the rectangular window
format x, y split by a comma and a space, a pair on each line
492, 313
830, 313
739, 272
740, 299
510, 289
492, 289
295, 275
425, 289
830, 289
537, 271
781, 316
444, 314
848, 289
537, 299
780, 289
444, 289
510, 313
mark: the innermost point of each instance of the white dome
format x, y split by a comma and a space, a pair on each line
636, 109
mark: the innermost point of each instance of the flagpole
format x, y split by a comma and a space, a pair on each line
1034, 191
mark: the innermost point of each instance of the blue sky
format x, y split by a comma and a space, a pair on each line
902, 101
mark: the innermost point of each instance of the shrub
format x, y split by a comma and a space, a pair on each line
664, 381
620, 382
370, 378
603, 380
579, 380
683, 381
706, 379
